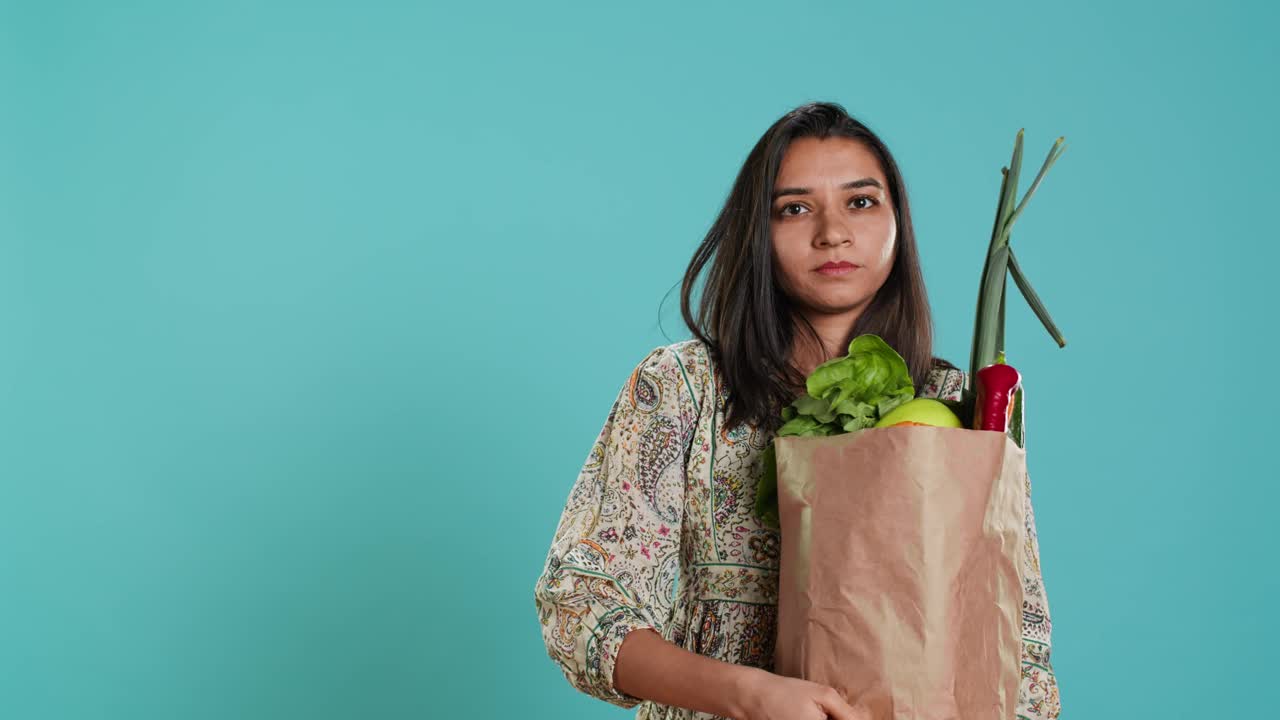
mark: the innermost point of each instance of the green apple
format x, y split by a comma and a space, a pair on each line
921, 411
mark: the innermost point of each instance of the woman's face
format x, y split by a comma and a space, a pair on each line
831, 205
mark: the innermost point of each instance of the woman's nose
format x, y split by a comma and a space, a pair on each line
832, 233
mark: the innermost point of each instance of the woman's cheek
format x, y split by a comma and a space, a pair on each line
885, 256
790, 263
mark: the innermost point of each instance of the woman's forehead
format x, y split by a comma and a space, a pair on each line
828, 161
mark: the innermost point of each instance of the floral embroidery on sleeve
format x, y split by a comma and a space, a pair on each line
615, 553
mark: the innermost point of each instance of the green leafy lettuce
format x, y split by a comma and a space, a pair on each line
842, 395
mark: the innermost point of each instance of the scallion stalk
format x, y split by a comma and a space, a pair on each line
989, 320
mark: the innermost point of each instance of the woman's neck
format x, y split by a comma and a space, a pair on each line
833, 335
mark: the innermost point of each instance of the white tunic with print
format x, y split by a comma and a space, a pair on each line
658, 533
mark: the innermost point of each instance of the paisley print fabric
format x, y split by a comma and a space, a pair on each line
658, 533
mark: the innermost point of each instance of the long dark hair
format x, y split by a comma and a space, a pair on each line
744, 317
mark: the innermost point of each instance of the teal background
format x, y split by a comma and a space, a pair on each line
309, 313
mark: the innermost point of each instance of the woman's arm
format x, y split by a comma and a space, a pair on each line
621, 525
650, 667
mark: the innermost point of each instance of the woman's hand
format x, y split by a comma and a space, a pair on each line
767, 696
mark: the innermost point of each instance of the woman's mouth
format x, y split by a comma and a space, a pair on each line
837, 268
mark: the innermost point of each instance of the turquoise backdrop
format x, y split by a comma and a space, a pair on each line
309, 313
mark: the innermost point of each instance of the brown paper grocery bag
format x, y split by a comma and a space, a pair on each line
901, 572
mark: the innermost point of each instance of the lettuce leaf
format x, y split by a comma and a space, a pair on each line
871, 372
767, 491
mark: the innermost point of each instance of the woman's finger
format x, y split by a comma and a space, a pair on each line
837, 708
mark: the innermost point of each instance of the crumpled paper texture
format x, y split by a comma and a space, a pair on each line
901, 574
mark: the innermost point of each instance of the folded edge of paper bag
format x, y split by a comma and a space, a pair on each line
901, 571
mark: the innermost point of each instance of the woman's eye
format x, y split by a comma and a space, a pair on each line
785, 210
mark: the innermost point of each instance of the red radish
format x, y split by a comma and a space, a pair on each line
994, 389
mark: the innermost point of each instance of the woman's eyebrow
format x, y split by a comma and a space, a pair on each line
864, 182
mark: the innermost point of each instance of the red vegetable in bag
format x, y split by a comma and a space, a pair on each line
995, 387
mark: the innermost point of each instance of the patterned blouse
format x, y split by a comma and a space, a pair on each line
658, 532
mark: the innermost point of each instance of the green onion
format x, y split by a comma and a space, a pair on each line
1034, 300
989, 321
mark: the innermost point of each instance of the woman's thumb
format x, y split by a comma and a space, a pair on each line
838, 708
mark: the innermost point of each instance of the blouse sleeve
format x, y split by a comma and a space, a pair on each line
615, 553
1038, 697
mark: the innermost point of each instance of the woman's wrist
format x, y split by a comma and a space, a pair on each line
652, 668
744, 683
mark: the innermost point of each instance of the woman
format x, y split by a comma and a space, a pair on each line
813, 247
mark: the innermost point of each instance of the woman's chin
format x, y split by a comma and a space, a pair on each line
838, 306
